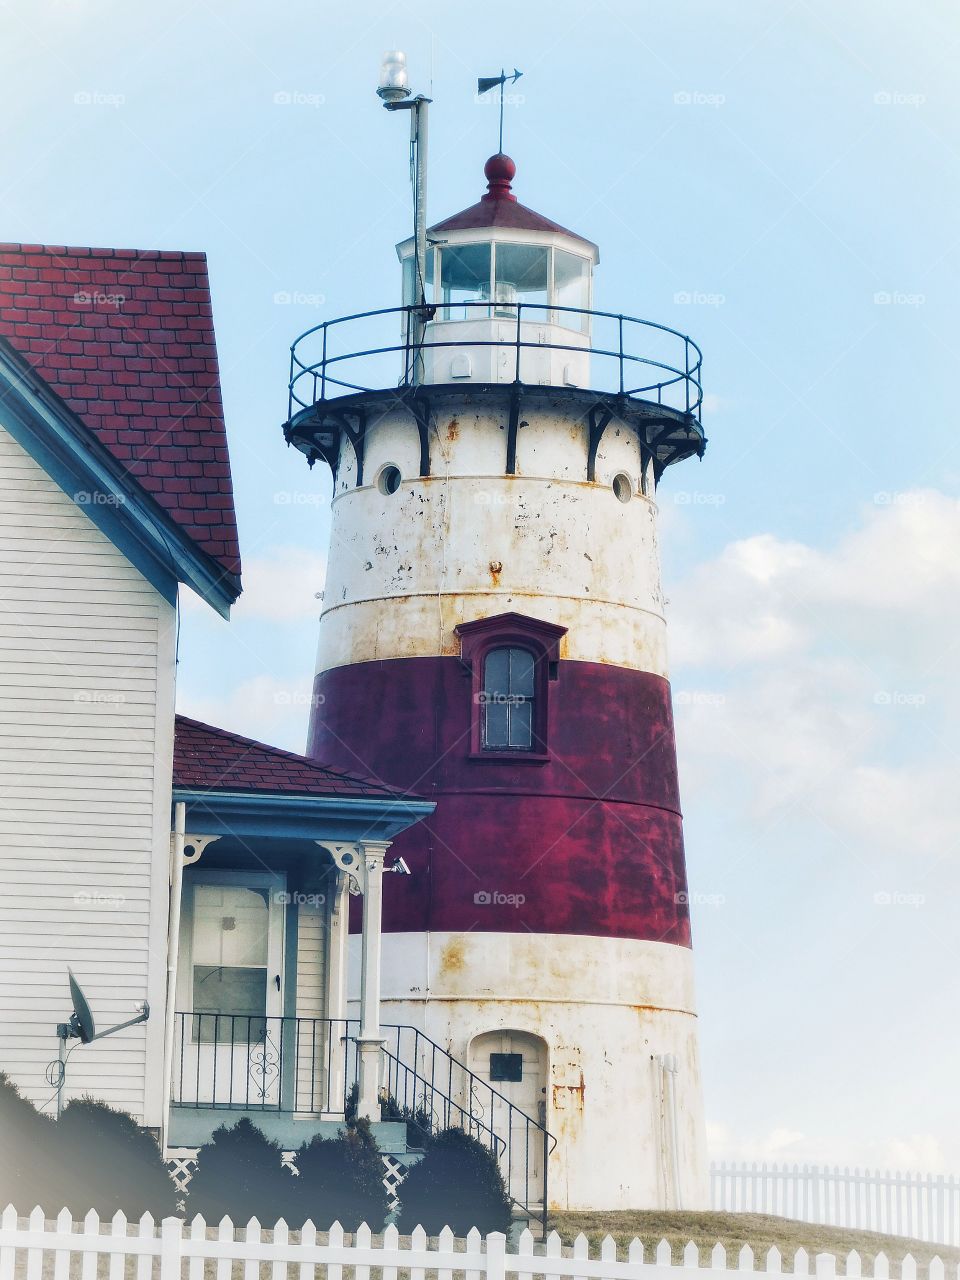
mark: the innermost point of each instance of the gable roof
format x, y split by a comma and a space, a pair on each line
125, 339
209, 759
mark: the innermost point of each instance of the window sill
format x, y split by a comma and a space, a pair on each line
513, 757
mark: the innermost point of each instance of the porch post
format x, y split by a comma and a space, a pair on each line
369, 1039
337, 1055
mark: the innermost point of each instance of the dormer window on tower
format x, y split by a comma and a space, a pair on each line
514, 663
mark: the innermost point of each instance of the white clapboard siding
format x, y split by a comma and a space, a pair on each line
86, 729
79, 1247
922, 1206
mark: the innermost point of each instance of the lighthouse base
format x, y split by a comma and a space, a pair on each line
595, 1038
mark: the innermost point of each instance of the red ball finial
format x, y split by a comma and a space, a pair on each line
499, 172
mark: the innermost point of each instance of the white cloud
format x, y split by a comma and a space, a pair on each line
913, 1151
281, 586
270, 710
830, 673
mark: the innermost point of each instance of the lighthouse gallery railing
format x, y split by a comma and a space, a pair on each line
345, 355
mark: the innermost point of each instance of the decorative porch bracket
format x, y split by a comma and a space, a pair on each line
362, 863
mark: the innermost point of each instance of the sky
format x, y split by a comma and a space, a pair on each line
779, 178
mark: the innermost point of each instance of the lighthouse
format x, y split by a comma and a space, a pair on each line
493, 638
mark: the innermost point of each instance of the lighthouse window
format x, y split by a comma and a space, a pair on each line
522, 276
464, 278
571, 288
411, 294
508, 700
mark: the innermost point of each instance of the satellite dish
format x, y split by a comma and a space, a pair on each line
82, 1027
81, 1022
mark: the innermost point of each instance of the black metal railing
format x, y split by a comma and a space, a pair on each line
432, 1090
629, 357
240, 1062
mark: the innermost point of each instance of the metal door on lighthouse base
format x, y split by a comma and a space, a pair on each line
232, 986
514, 1063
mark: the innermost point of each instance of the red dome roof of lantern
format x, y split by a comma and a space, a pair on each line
501, 208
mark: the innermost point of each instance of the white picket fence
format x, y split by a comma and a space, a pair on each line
155, 1254
921, 1206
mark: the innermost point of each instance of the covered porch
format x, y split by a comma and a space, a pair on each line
266, 850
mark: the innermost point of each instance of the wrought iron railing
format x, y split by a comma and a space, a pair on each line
238, 1062
630, 357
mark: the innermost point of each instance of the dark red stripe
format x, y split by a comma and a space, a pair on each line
591, 840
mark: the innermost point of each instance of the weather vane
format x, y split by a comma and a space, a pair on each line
486, 83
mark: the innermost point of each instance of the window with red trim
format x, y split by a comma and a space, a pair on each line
512, 660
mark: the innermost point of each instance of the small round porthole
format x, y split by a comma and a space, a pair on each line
623, 487
388, 479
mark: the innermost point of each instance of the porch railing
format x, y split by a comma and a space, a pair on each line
238, 1062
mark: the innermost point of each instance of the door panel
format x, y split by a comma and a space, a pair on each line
515, 1064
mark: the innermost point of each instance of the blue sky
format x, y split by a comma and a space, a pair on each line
781, 181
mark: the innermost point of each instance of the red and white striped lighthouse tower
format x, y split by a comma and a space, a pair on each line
493, 637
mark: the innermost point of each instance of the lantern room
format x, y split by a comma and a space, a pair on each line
509, 293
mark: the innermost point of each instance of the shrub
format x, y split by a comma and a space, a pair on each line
108, 1163
341, 1180
458, 1184
28, 1142
240, 1174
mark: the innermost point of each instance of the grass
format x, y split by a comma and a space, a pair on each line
733, 1230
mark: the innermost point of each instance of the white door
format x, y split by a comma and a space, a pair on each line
514, 1063
230, 1037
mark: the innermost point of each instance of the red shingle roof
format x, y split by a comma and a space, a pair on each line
210, 759
126, 340
500, 208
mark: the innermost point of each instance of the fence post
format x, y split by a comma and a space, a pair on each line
496, 1256
171, 1235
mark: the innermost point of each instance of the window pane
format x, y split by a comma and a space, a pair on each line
464, 277
495, 723
571, 275
410, 294
230, 925
496, 672
521, 725
521, 276
223, 990
521, 672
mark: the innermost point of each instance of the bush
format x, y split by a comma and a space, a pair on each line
28, 1167
341, 1180
240, 1174
458, 1184
109, 1163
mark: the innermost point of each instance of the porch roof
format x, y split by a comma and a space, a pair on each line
235, 785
